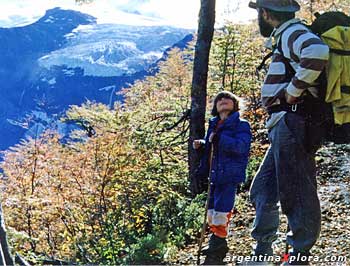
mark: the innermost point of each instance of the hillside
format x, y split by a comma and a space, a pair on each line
333, 164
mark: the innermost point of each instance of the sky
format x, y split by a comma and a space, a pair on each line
177, 13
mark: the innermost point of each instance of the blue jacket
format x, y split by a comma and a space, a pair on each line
231, 150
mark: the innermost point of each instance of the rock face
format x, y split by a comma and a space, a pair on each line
66, 58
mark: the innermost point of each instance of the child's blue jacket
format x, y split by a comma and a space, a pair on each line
231, 150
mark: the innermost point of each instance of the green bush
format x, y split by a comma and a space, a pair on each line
149, 250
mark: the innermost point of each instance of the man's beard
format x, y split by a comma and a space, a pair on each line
265, 28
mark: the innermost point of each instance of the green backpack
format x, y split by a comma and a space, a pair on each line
329, 116
334, 29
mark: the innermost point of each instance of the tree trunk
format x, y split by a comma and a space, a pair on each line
5, 256
199, 80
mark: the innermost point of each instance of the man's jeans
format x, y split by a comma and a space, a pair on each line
287, 175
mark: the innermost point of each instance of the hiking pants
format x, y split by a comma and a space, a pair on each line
221, 202
286, 175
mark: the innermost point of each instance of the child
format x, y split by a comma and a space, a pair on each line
230, 138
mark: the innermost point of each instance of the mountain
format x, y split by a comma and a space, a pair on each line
66, 58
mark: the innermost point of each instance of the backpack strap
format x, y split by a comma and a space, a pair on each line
279, 48
290, 71
263, 62
340, 52
345, 89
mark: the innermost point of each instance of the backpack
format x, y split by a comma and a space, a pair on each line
334, 29
328, 117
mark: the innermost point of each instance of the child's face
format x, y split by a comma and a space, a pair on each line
224, 105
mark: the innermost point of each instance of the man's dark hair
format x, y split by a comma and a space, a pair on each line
281, 16
227, 95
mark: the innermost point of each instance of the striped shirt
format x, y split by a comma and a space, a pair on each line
307, 55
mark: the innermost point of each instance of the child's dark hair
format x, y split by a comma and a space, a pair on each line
227, 95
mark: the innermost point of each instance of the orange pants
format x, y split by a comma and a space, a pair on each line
218, 222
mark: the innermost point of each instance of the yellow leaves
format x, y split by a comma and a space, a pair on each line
309, 7
139, 221
102, 241
90, 192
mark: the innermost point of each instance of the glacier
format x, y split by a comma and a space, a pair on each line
113, 50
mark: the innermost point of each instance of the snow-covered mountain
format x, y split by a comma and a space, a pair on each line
113, 50
66, 58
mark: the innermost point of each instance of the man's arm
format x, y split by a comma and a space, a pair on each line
312, 55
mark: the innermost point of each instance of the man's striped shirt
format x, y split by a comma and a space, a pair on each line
307, 55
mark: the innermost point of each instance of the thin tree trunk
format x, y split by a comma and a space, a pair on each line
5, 258
199, 80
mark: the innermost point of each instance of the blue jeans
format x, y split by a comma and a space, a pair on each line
286, 175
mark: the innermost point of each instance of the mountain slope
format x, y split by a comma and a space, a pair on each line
66, 58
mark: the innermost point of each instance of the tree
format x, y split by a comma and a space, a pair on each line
199, 80
5, 256
119, 196
310, 7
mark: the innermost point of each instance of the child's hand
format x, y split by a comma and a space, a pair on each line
198, 143
212, 137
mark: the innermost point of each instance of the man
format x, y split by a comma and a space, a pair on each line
287, 173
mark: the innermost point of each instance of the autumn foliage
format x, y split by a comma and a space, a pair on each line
109, 197
120, 195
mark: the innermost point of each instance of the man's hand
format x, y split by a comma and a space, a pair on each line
291, 99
